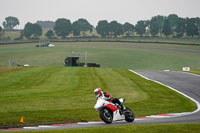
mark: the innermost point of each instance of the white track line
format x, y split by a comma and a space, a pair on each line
83, 123
178, 114
31, 128
156, 116
94, 122
47, 126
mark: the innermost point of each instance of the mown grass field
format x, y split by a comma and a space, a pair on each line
108, 54
154, 128
44, 95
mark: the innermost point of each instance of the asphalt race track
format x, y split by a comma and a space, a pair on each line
186, 83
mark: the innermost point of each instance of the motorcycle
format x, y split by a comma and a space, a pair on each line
110, 112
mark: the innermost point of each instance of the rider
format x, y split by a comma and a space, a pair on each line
99, 93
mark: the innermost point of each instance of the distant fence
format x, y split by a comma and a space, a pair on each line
16, 42
125, 41
98, 40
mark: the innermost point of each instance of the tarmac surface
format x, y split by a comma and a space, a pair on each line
185, 83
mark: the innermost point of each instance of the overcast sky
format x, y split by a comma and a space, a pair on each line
95, 10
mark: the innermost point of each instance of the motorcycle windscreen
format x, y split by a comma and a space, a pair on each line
111, 107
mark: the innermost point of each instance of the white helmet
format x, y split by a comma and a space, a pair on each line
98, 92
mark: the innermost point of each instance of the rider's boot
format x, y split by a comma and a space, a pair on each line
123, 108
120, 109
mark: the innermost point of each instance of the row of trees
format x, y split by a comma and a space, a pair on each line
158, 25
171, 25
114, 28
30, 29
63, 27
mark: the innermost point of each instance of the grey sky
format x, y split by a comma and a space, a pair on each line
95, 10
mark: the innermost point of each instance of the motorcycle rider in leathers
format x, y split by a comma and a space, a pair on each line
99, 93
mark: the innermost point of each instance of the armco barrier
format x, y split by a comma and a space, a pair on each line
99, 40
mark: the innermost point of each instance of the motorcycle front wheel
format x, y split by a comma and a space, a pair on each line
106, 115
129, 115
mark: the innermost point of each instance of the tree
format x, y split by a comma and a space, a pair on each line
140, 27
36, 30
166, 28
198, 23
115, 28
27, 31
81, 25
63, 27
1, 31
156, 24
32, 29
173, 19
191, 27
128, 28
10, 22
180, 27
103, 28
49, 34
154, 29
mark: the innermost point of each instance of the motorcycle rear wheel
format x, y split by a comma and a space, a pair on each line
129, 115
106, 115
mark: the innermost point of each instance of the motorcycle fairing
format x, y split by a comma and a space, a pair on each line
111, 107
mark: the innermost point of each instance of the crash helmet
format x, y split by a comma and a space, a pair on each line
98, 92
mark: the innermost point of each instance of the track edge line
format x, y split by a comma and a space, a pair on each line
193, 100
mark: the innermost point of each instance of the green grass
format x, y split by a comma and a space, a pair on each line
44, 95
195, 71
109, 55
150, 128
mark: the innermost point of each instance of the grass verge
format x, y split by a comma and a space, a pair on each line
45, 95
108, 54
195, 71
